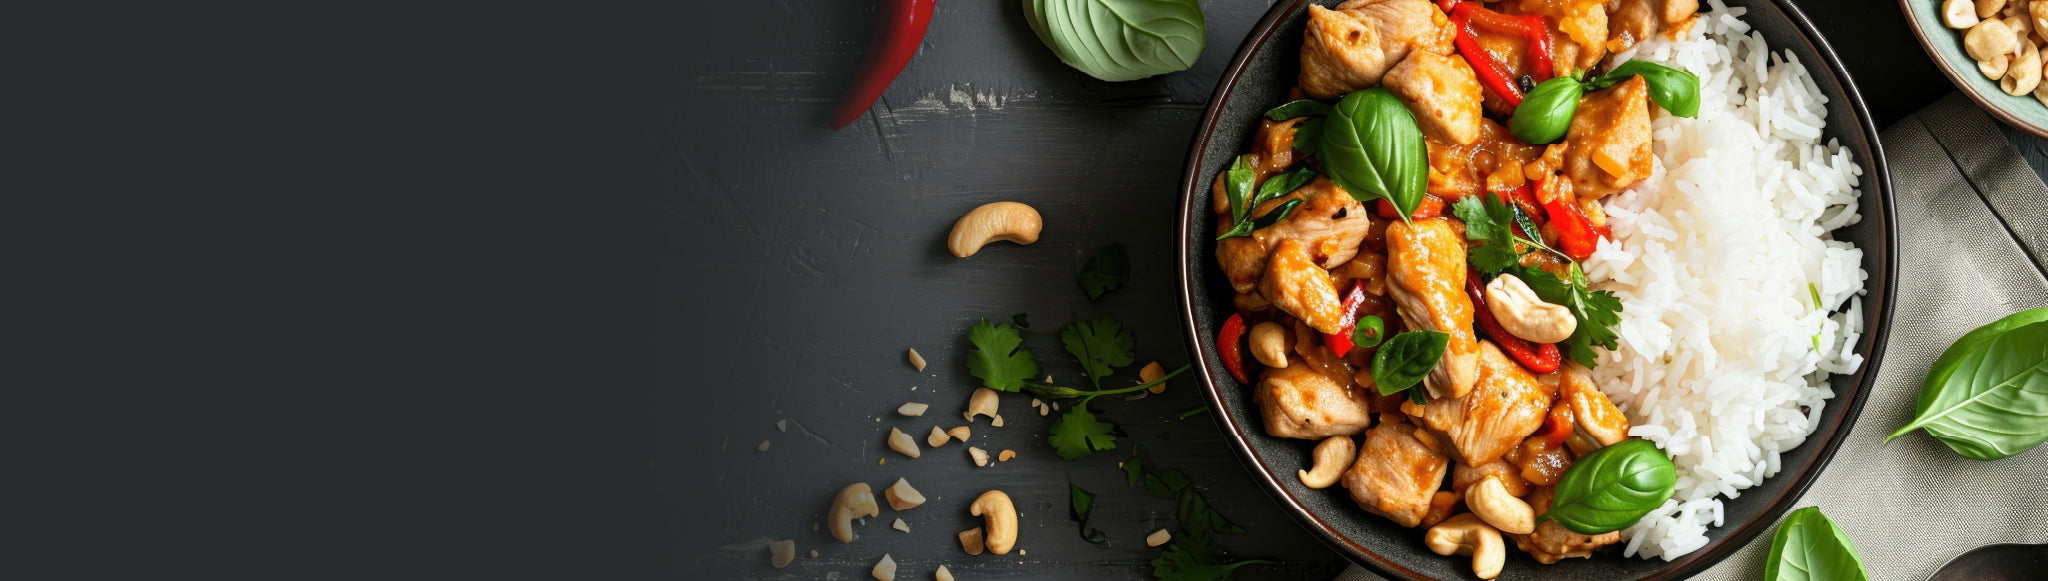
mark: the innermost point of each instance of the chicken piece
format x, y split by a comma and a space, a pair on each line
1506, 405
1275, 145
1552, 542
1350, 48
1464, 475
1396, 473
1607, 148
1493, 162
1298, 287
1426, 266
1633, 21
1442, 92
1298, 401
1592, 413
1329, 224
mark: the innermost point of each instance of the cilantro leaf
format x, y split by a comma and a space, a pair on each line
995, 358
1078, 434
1166, 486
1106, 271
1083, 502
1200, 520
1101, 344
1188, 560
1021, 320
1486, 219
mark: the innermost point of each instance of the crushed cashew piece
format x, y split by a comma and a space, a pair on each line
900, 525
1044, 409
942, 574
961, 433
782, 425
901, 496
998, 422
1159, 537
763, 447
1006, 455
980, 456
814, 553
903, 443
916, 360
780, 553
912, 409
938, 437
885, 570
970, 541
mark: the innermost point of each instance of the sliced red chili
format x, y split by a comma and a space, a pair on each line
1430, 207
1531, 27
1539, 358
1340, 342
898, 32
1230, 347
1490, 72
1576, 236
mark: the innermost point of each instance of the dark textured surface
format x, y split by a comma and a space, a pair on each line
800, 262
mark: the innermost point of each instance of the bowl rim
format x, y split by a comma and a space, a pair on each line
1880, 302
1957, 78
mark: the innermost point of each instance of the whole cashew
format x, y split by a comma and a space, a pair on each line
1959, 14
1467, 535
1490, 501
2039, 12
1269, 344
1994, 68
855, 501
1333, 456
1989, 8
1988, 39
999, 521
1006, 221
2025, 74
1525, 315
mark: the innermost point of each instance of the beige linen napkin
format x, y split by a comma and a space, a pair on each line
1973, 233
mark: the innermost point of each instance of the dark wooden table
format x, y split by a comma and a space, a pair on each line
800, 263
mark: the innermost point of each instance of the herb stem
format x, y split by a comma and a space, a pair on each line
1193, 412
1043, 389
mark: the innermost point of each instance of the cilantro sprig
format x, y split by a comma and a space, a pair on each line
1102, 345
1490, 219
1189, 556
995, 357
1077, 433
1598, 311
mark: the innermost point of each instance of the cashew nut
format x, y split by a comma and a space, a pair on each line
2024, 74
885, 570
1006, 221
2041, 94
1467, 535
1490, 501
1269, 344
780, 553
2039, 12
1333, 456
942, 574
916, 360
1994, 68
855, 501
912, 409
970, 541
1987, 8
982, 403
903, 443
999, 520
901, 496
960, 433
1525, 315
938, 437
1158, 537
1150, 373
1988, 39
1959, 14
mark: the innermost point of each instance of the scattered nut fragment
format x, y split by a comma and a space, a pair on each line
942, 574
780, 553
814, 553
763, 447
912, 409
1035, 402
1490, 501
856, 500
902, 442
1158, 537
997, 422
999, 520
1150, 373
916, 360
1269, 344
782, 425
982, 403
901, 496
938, 437
886, 569
900, 525
1467, 535
1006, 455
1332, 457
960, 433
970, 541
1044, 409
1005, 221
980, 456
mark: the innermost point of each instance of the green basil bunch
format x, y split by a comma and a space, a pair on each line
1546, 113
1613, 487
1987, 396
1372, 147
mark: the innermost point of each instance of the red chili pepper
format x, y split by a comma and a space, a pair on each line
897, 33
1557, 426
1491, 74
1537, 357
1447, 5
1429, 207
1230, 346
1575, 234
1530, 27
1525, 197
1340, 342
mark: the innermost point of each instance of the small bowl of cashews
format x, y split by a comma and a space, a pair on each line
1994, 50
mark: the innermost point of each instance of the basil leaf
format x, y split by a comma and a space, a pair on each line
1298, 108
1106, 271
1120, 40
1676, 91
1987, 396
1283, 184
1613, 487
1369, 332
1083, 503
1372, 147
1308, 135
1405, 359
1546, 112
1237, 183
1809, 547
1278, 214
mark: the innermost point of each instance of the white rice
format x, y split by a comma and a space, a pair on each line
1711, 258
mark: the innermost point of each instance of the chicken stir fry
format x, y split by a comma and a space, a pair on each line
1407, 330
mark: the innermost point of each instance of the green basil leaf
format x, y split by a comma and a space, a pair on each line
1676, 91
1987, 396
1613, 487
1809, 547
1283, 184
1083, 503
1237, 186
1372, 147
1120, 40
1405, 359
1546, 112
1369, 332
1308, 135
1278, 214
1298, 108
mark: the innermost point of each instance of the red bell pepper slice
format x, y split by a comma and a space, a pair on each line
1230, 346
1340, 342
1531, 27
1491, 74
898, 31
1539, 358
1429, 207
1576, 236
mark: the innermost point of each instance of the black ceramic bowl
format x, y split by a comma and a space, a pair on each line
1259, 77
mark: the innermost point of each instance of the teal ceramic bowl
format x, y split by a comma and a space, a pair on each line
1946, 46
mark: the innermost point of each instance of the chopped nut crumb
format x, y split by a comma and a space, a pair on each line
942, 574
885, 570
1044, 409
961, 433
998, 422
938, 437
1006, 455
916, 360
903, 443
1159, 537
1035, 402
912, 409
763, 447
814, 553
980, 456
900, 525
782, 425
